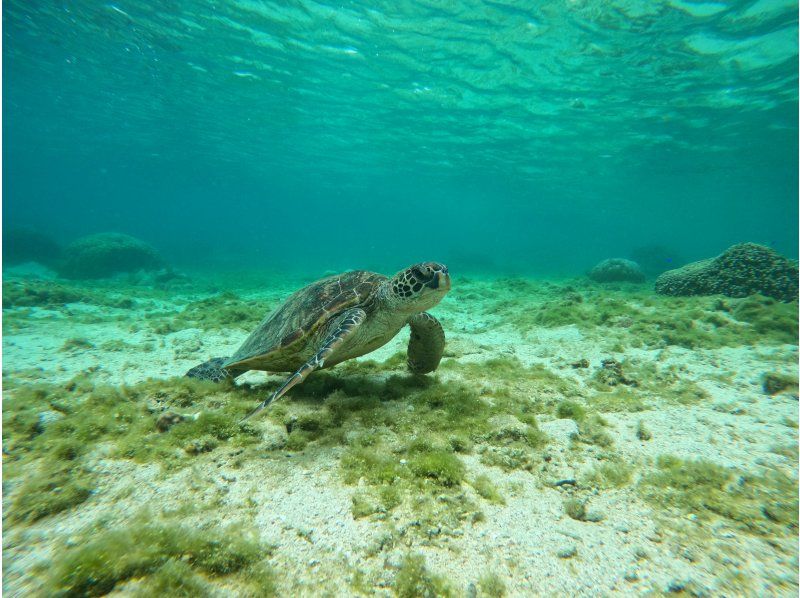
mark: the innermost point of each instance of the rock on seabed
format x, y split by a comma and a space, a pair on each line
742, 270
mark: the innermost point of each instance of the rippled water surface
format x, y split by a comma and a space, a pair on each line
537, 132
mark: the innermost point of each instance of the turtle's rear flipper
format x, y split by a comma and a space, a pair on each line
213, 371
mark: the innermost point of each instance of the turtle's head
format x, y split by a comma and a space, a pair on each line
420, 286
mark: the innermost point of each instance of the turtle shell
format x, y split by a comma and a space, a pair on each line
285, 332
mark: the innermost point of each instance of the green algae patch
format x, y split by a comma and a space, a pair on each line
685, 393
363, 505
375, 465
48, 294
440, 466
54, 488
174, 578
614, 474
166, 554
592, 430
258, 580
397, 362
32, 293
425, 479
221, 312
54, 429
643, 432
774, 383
118, 345
618, 400
515, 446
768, 317
507, 375
654, 383
491, 585
634, 317
790, 451
570, 410
76, 344
414, 580
765, 504
486, 489
509, 458
194, 435
454, 413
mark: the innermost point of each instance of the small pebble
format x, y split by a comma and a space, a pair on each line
640, 553
594, 516
393, 561
567, 552
567, 482
167, 420
677, 585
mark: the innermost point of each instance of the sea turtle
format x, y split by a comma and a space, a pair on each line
338, 318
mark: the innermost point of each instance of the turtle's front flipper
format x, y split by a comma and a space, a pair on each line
213, 371
347, 323
426, 345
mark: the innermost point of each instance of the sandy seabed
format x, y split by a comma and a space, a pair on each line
705, 402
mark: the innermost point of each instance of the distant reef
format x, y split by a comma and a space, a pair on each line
22, 245
742, 270
617, 270
104, 254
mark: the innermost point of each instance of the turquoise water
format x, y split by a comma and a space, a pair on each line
560, 423
511, 136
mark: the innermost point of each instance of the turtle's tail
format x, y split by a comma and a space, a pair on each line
212, 371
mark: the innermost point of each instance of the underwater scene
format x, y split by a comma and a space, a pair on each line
466, 298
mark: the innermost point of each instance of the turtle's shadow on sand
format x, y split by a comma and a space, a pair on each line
321, 385
327, 403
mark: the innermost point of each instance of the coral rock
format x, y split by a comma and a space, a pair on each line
617, 270
105, 254
742, 270
25, 245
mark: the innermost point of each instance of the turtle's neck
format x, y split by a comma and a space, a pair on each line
386, 302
